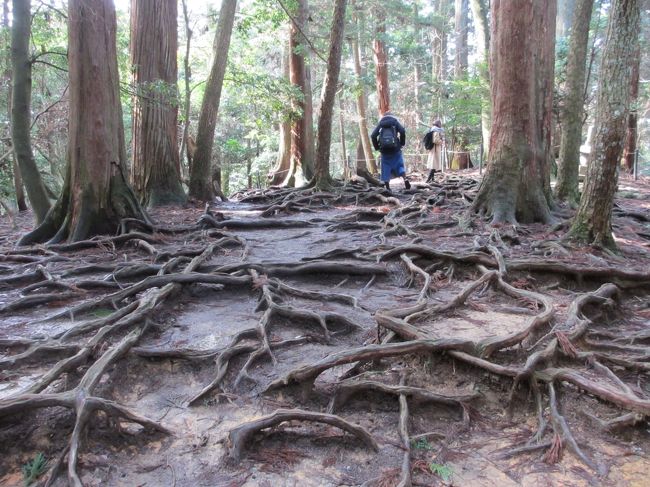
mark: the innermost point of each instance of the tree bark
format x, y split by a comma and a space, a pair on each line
629, 151
200, 175
514, 187
21, 108
322, 178
187, 76
381, 65
564, 18
362, 99
571, 114
479, 13
439, 56
297, 76
310, 140
6, 81
460, 31
155, 170
593, 221
96, 195
283, 162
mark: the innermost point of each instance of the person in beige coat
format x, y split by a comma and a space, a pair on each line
434, 159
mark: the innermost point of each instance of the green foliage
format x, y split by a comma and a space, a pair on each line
34, 469
445, 472
421, 444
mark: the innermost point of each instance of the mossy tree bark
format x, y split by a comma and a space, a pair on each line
516, 185
572, 111
629, 152
21, 108
200, 175
155, 171
96, 195
593, 222
322, 178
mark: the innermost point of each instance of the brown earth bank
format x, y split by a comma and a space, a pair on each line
301, 338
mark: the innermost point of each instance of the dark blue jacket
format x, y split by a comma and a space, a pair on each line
388, 121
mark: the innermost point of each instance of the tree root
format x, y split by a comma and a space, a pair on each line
239, 436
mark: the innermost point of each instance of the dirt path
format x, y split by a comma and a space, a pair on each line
372, 339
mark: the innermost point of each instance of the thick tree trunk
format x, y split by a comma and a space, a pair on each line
479, 13
571, 114
155, 170
362, 100
96, 195
593, 222
283, 162
200, 180
322, 178
514, 187
381, 65
21, 108
630, 148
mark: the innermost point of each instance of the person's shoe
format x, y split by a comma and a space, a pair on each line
407, 184
432, 175
387, 185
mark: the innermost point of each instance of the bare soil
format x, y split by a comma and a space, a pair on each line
329, 339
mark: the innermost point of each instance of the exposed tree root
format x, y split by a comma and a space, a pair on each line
239, 436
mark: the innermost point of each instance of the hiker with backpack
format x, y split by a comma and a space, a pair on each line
388, 138
433, 142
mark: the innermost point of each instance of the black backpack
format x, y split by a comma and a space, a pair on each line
388, 138
427, 140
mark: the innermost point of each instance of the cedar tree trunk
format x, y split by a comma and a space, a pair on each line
593, 222
322, 178
629, 151
156, 167
21, 108
95, 195
200, 175
571, 114
515, 185
381, 65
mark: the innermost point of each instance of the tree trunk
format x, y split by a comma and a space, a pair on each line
362, 100
417, 67
310, 140
21, 108
6, 81
187, 76
200, 175
514, 187
96, 195
571, 114
155, 170
297, 77
381, 65
479, 13
283, 162
630, 149
439, 56
322, 178
460, 31
344, 152
593, 222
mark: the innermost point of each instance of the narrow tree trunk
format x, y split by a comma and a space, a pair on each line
571, 114
283, 162
381, 65
513, 188
297, 73
630, 149
310, 140
200, 180
96, 195
482, 33
322, 178
593, 222
344, 152
439, 56
187, 77
417, 67
460, 27
21, 108
155, 169
6, 81
362, 100
564, 18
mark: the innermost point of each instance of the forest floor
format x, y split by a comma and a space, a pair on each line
329, 339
